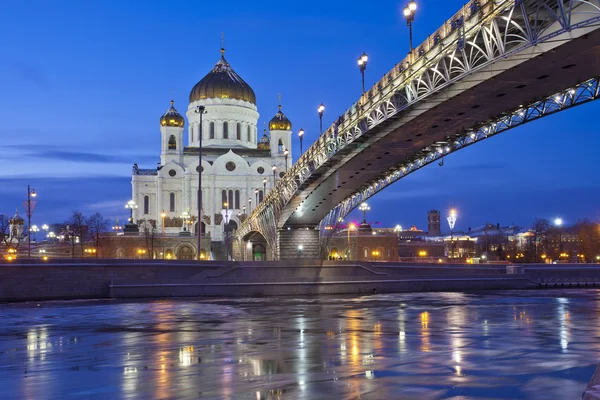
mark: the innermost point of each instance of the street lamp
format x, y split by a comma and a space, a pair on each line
274, 168
249, 204
285, 154
45, 229
364, 207
451, 222
300, 135
163, 215
558, 223
131, 206
35, 230
226, 213
185, 216
362, 65
30, 206
201, 110
264, 187
398, 229
320, 111
351, 227
114, 228
409, 13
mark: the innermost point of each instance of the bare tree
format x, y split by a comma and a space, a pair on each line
541, 228
588, 235
96, 226
149, 228
76, 230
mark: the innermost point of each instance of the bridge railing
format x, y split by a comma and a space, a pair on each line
404, 70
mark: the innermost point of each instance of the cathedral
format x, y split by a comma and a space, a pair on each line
237, 168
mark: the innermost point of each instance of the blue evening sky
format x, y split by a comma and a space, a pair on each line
83, 85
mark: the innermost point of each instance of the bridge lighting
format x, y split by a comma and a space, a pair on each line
362, 65
264, 188
409, 14
274, 168
320, 110
285, 154
300, 135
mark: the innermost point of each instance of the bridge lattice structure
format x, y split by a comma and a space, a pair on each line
482, 33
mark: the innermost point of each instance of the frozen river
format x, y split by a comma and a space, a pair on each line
496, 345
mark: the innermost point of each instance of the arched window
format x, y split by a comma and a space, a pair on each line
172, 143
366, 249
238, 131
223, 198
146, 205
198, 200
212, 130
237, 199
225, 130
172, 202
280, 146
230, 199
261, 196
249, 134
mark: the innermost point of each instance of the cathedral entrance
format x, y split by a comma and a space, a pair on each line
259, 252
255, 247
185, 252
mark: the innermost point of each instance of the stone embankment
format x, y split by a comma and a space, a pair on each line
85, 279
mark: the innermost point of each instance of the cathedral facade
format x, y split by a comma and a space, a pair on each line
237, 167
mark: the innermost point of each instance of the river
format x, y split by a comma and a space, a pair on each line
492, 345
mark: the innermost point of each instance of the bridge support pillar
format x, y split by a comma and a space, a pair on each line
298, 243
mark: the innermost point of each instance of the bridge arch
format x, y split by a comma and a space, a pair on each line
254, 247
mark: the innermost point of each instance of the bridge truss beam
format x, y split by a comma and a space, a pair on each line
582, 93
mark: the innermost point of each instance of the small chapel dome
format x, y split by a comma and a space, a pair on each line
264, 142
16, 219
222, 82
280, 122
172, 117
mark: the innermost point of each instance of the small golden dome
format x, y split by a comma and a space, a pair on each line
280, 122
264, 143
172, 117
222, 83
16, 219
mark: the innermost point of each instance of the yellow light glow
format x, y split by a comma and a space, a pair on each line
422, 253
45, 258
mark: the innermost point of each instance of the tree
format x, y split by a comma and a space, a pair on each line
541, 228
588, 235
76, 231
148, 226
96, 226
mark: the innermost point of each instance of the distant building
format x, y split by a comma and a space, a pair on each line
433, 223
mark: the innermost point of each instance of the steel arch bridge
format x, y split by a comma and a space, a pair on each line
495, 65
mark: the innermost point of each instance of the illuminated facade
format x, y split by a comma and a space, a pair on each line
236, 167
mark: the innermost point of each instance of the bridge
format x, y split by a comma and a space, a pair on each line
495, 65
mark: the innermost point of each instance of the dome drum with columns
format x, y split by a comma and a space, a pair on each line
234, 161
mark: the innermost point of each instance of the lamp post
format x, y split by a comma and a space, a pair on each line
264, 187
131, 206
558, 223
185, 216
362, 65
320, 110
351, 227
249, 205
364, 207
35, 230
201, 110
285, 154
451, 222
30, 206
115, 228
226, 213
45, 229
163, 216
300, 135
398, 229
409, 13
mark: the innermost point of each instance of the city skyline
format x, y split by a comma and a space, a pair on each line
91, 123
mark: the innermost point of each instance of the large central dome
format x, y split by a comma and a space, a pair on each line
222, 83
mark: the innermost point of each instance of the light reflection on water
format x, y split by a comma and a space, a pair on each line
500, 345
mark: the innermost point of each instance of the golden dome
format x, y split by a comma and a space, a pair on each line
172, 117
280, 122
16, 219
264, 142
222, 83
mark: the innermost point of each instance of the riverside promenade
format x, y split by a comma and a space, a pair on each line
26, 280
